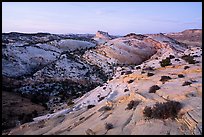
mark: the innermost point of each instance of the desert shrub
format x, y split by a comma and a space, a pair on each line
147, 111
105, 108
126, 90
149, 74
196, 56
171, 56
90, 106
122, 73
138, 67
128, 72
142, 72
186, 67
164, 110
188, 59
130, 81
181, 76
108, 126
177, 59
186, 83
100, 98
153, 88
69, 102
132, 104
110, 79
165, 78
165, 62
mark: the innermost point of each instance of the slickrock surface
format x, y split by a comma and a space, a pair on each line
117, 107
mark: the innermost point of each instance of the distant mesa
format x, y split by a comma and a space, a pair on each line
190, 37
188, 31
103, 35
136, 36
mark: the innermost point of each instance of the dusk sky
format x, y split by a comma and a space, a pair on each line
117, 18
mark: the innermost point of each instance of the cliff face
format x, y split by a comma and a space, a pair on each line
155, 88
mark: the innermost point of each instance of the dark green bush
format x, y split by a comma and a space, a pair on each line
164, 110
188, 59
165, 62
132, 104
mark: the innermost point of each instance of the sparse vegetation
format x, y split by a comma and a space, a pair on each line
186, 83
186, 67
130, 81
181, 76
196, 56
165, 78
100, 98
164, 110
154, 88
69, 102
108, 126
188, 59
110, 79
149, 74
122, 73
165, 62
128, 72
138, 67
132, 104
177, 59
171, 56
126, 90
90, 106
